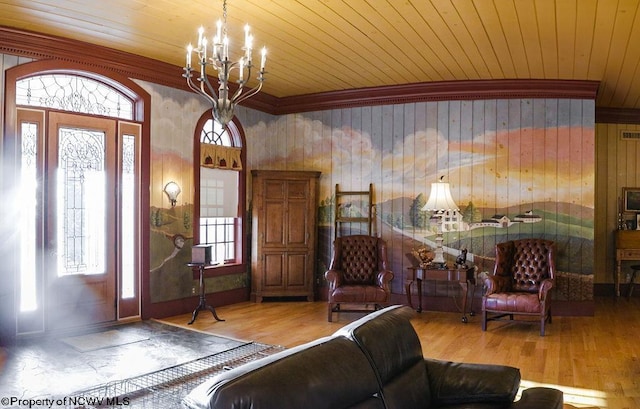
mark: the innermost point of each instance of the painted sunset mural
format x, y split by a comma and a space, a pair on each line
517, 168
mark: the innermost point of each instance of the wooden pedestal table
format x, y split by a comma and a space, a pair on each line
202, 305
463, 276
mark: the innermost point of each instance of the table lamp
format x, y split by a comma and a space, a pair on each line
441, 203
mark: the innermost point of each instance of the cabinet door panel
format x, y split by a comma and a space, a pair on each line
298, 189
297, 271
298, 224
274, 189
274, 223
273, 273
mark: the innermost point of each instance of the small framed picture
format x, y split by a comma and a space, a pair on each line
631, 199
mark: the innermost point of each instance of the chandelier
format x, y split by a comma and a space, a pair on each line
223, 102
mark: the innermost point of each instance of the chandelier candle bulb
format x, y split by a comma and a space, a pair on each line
249, 48
200, 33
264, 58
204, 48
246, 36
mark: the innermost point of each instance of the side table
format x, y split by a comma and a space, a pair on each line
464, 276
202, 305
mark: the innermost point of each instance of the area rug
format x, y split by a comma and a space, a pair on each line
105, 339
165, 388
49, 366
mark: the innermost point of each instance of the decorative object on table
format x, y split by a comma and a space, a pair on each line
461, 260
224, 101
442, 205
424, 255
201, 254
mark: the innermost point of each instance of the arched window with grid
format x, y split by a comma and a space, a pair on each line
221, 190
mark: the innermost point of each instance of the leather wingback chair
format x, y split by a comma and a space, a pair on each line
523, 275
358, 273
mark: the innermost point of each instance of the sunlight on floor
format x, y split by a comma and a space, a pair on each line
577, 397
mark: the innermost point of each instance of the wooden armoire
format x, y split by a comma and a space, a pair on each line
284, 233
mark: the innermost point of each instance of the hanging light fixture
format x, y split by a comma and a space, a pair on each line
223, 102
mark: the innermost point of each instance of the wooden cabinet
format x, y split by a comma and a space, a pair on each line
284, 233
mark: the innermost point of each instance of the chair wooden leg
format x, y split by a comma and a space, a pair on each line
484, 320
330, 316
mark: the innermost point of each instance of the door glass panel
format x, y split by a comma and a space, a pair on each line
127, 204
28, 189
80, 231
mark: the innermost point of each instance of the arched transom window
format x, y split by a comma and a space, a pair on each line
73, 93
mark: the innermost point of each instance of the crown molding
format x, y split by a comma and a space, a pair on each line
43, 46
618, 115
440, 91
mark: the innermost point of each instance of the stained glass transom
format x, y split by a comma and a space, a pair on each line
75, 94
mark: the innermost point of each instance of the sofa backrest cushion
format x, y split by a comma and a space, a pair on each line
394, 350
328, 373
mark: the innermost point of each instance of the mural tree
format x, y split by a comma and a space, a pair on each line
417, 216
471, 213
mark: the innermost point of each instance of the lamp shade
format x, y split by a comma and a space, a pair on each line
440, 198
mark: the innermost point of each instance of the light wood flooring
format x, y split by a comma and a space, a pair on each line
595, 360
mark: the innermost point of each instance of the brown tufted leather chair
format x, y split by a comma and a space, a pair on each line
358, 273
523, 275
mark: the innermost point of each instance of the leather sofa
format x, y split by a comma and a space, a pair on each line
375, 362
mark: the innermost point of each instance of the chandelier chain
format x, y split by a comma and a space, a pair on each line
224, 17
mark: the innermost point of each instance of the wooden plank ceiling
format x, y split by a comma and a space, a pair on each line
327, 45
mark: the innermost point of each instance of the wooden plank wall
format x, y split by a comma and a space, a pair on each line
500, 155
617, 167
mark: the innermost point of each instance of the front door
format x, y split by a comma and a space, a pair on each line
80, 232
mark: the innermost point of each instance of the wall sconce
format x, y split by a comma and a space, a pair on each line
172, 190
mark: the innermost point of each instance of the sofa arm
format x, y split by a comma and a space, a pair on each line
539, 398
453, 383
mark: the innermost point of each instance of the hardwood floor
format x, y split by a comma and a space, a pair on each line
594, 360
